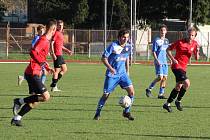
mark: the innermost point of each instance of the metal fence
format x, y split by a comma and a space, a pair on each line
87, 43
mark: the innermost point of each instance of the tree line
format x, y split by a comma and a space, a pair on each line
90, 13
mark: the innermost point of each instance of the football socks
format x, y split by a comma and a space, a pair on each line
173, 95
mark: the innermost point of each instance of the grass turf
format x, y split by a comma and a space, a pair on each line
69, 114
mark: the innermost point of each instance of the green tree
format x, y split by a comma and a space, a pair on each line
80, 12
201, 11
117, 14
2, 9
71, 11
179, 9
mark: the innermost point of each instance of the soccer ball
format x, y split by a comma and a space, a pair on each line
125, 101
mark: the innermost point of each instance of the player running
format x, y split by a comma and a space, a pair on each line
57, 48
37, 90
184, 49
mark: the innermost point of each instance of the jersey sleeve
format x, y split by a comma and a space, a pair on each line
154, 46
108, 51
196, 51
173, 45
36, 38
35, 53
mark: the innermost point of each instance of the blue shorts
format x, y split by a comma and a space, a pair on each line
111, 83
161, 70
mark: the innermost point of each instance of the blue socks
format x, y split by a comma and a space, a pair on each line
162, 90
151, 86
101, 103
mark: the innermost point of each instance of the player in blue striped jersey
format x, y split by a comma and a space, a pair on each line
116, 59
160, 44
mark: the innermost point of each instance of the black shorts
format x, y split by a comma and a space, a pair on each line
180, 75
35, 84
59, 61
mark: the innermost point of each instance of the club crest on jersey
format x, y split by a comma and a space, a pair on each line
126, 49
117, 49
160, 42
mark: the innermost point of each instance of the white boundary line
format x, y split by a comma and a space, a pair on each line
19, 62
14, 62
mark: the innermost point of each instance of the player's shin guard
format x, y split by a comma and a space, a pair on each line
181, 94
31, 99
162, 90
152, 85
101, 103
173, 95
127, 109
54, 82
25, 109
59, 76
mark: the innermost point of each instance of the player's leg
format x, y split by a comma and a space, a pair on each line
185, 86
100, 105
157, 79
57, 68
20, 79
109, 85
126, 84
163, 73
25, 104
180, 78
60, 69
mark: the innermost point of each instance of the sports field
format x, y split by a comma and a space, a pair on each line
69, 114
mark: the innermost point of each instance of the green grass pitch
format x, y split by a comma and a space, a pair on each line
69, 114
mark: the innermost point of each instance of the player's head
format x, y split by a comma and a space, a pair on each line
60, 25
51, 26
123, 36
40, 29
192, 33
163, 30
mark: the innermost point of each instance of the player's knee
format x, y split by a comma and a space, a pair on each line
33, 105
46, 96
186, 84
159, 78
164, 78
105, 96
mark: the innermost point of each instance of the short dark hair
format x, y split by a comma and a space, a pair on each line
60, 21
50, 23
123, 32
163, 26
39, 27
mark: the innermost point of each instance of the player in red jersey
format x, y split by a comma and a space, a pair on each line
184, 48
37, 90
57, 49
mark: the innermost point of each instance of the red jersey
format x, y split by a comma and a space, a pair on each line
184, 51
38, 57
58, 43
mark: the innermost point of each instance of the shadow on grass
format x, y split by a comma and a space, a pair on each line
141, 135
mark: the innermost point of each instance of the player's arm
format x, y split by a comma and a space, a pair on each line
52, 50
171, 57
35, 54
197, 52
155, 57
127, 66
154, 49
69, 52
106, 63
